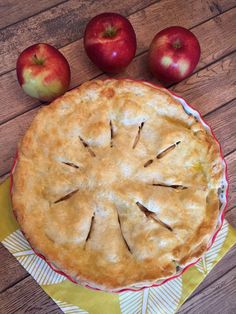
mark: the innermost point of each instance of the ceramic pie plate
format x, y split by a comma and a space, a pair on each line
222, 194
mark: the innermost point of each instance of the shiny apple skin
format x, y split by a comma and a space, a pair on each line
110, 54
43, 72
173, 55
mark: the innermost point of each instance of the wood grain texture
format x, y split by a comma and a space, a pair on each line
231, 217
224, 126
82, 69
12, 11
11, 133
27, 297
212, 87
10, 271
58, 26
217, 37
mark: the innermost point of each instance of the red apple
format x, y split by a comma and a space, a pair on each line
43, 72
110, 42
174, 54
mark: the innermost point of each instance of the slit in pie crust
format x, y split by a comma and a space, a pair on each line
116, 184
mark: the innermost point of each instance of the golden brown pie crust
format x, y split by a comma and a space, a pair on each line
117, 185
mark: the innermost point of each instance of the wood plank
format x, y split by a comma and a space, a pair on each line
168, 13
217, 293
231, 164
211, 87
10, 135
231, 216
18, 102
11, 271
59, 26
224, 127
27, 297
217, 37
12, 11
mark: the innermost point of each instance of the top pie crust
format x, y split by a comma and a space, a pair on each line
117, 185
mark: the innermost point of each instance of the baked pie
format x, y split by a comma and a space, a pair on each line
116, 185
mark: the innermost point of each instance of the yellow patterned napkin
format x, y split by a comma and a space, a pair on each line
73, 298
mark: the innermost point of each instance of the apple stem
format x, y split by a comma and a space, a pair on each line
110, 31
177, 44
37, 60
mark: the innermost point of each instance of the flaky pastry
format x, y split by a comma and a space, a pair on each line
116, 185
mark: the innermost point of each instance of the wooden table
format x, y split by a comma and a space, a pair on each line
211, 89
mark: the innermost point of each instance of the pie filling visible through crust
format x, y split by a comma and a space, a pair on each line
116, 185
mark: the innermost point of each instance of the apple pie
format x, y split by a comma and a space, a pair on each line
117, 185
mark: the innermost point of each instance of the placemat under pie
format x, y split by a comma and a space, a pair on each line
72, 298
